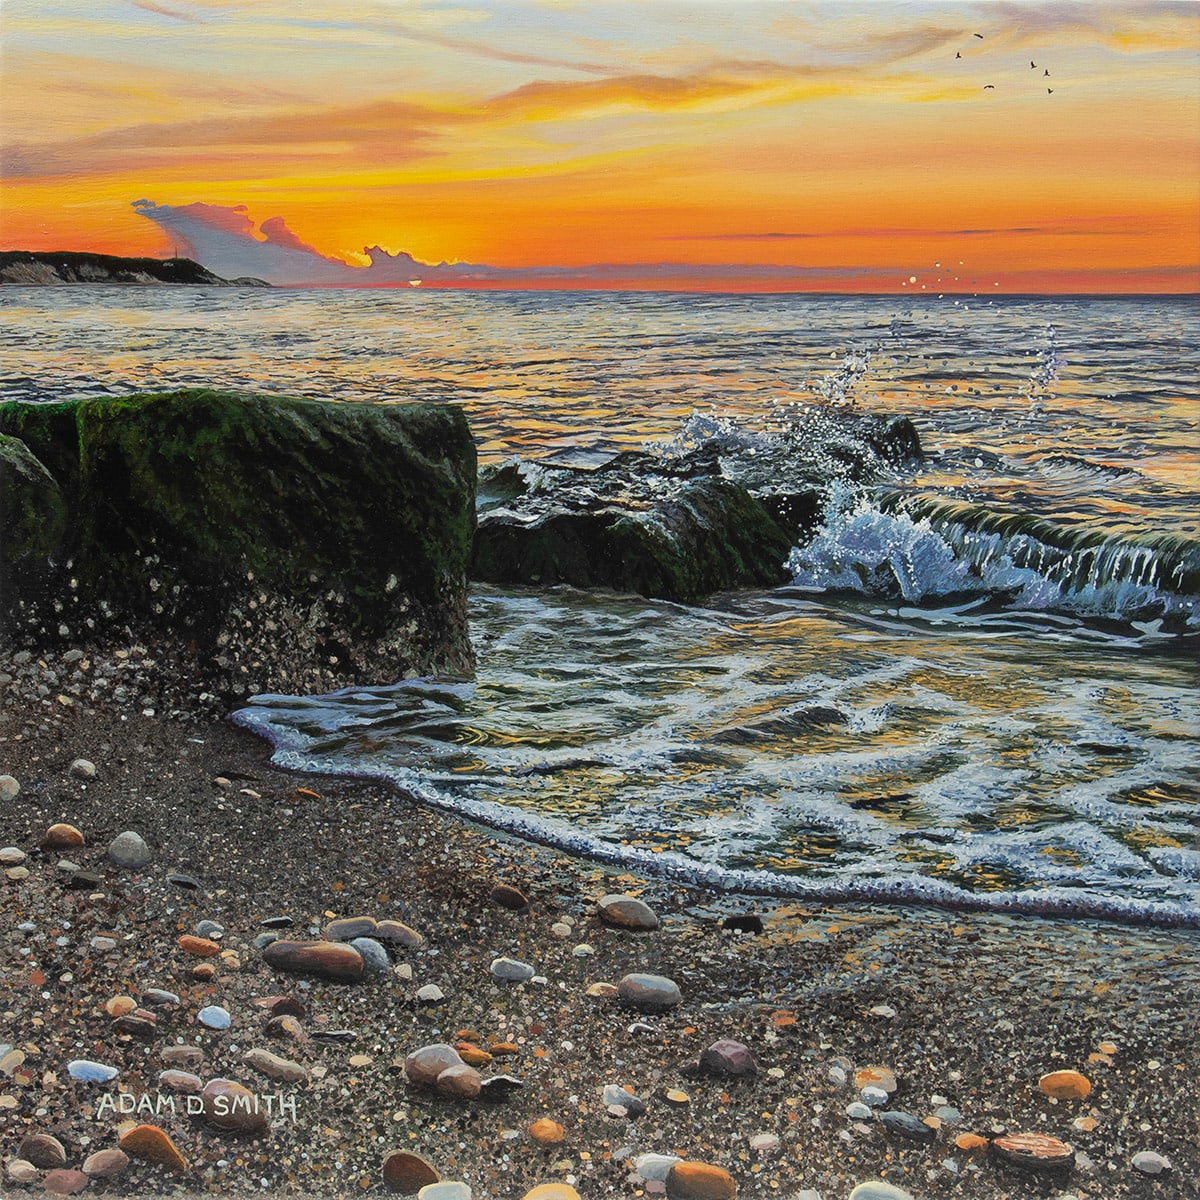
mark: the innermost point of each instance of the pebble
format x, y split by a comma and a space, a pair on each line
61, 836
765, 1143
374, 956
20, 1170
158, 998
1149, 1162
507, 896
649, 993
654, 1168
230, 1106
509, 970
198, 947
43, 1150
626, 912
878, 1189
1065, 1085
858, 1111
181, 1056
344, 929
1035, 1151
281, 922
286, 1026
427, 1063
560, 929
106, 1164
622, 1103
86, 1071
275, 1066
12, 856
880, 1077
430, 993
408, 1173
82, 768
210, 929
970, 1142
328, 960
9, 788
552, 1191
65, 1182
213, 1016
153, 1145
699, 1181
876, 1097
546, 1132
603, 991
281, 1006
102, 945
397, 934
181, 1081
907, 1125
129, 850
460, 1082
447, 1189
188, 882
727, 1058
16, 874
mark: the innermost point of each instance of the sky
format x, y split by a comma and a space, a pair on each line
1001, 146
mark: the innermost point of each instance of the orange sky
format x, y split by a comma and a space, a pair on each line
849, 146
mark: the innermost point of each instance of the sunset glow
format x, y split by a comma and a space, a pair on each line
819, 146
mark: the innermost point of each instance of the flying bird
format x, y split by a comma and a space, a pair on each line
1032, 64
1049, 91
958, 54
979, 36
1046, 73
986, 86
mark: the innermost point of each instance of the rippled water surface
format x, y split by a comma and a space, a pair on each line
982, 688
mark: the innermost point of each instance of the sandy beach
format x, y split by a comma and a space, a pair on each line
967, 1011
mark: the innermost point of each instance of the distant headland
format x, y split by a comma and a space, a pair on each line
52, 268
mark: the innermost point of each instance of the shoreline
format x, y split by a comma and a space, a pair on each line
968, 1010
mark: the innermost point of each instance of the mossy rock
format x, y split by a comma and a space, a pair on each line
270, 527
33, 518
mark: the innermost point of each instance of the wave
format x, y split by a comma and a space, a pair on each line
865, 885
924, 548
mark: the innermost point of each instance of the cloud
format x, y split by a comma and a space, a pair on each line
225, 240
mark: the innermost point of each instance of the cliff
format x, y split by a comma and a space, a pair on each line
52, 268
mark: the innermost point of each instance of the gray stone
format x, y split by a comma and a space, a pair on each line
654, 1168
345, 929
398, 935
158, 998
374, 956
621, 1103
649, 993
858, 1111
276, 1067
11, 856
211, 930
129, 850
81, 768
509, 970
1149, 1162
427, 1063
626, 912
906, 1125
446, 1189
9, 788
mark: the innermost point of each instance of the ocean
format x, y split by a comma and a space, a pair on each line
979, 688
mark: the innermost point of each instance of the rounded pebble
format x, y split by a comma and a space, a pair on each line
649, 993
374, 956
106, 1164
1149, 1162
699, 1181
9, 788
1065, 1085
626, 912
82, 768
85, 1071
214, 1016
129, 850
408, 1173
509, 970
878, 1189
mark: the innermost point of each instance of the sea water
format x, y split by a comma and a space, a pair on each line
980, 686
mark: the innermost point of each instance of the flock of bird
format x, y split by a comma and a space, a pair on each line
991, 87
